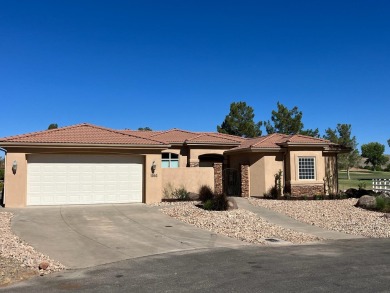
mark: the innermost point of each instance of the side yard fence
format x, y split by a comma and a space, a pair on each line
380, 185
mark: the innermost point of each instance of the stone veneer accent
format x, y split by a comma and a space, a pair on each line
194, 164
218, 178
298, 190
244, 180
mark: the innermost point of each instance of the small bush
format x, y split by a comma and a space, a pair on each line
220, 202
382, 204
319, 197
272, 193
168, 191
208, 204
181, 194
205, 193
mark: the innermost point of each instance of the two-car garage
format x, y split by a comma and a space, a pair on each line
61, 179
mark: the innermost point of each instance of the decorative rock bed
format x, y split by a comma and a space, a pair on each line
18, 259
338, 215
238, 223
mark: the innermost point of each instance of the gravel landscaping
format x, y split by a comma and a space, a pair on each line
240, 224
338, 215
18, 259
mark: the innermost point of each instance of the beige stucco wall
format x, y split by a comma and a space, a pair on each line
182, 152
262, 168
319, 163
273, 163
262, 172
189, 155
152, 181
15, 185
190, 178
194, 153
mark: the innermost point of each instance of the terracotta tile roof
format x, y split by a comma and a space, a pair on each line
228, 136
180, 136
276, 140
140, 133
298, 138
213, 138
81, 134
174, 135
91, 134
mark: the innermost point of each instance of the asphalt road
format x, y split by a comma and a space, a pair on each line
361, 265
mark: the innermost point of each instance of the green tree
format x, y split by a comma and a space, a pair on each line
373, 151
145, 128
53, 126
240, 121
287, 121
311, 132
342, 136
388, 142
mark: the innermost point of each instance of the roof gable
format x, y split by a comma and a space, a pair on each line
298, 138
275, 141
212, 138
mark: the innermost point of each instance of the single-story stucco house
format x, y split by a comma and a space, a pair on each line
88, 164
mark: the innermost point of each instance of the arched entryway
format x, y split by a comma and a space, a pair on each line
208, 160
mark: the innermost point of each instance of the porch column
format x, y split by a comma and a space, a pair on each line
218, 178
244, 180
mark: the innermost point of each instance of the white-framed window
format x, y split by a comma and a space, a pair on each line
169, 160
306, 168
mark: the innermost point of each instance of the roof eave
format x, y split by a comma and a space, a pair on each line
257, 150
229, 144
83, 145
303, 144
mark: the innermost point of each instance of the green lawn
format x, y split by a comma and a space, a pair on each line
360, 177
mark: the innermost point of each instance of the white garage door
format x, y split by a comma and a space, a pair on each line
83, 179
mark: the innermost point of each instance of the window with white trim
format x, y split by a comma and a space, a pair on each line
306, 168
169, 160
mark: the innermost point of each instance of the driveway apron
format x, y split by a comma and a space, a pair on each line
85, 236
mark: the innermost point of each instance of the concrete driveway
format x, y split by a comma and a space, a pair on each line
86, 236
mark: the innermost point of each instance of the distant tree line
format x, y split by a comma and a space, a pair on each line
240, 121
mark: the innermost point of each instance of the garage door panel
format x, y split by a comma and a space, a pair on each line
83, 179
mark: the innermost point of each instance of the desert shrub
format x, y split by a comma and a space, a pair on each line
208, 205
181, 194
205, 193
168, 191
319, 197
220, 202
383, 204
272, 193
278, 183
1, 174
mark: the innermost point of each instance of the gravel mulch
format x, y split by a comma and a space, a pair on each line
18, 259
338, 215
241, 224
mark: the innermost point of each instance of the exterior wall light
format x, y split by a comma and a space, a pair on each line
153, 168
14, 167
